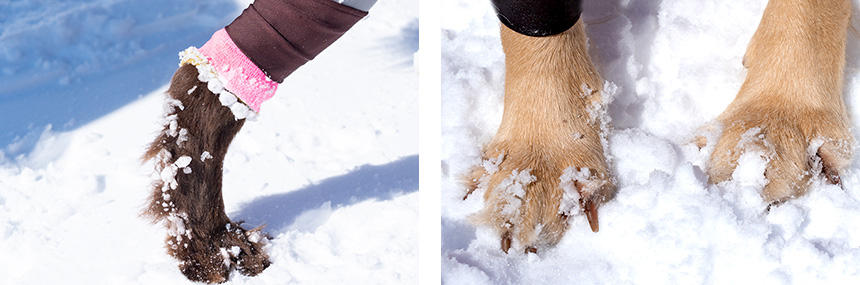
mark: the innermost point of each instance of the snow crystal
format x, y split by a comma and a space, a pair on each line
173, 127
597, 109
186, 170
191, 90
225, 255
170, 105
750, 169
240, 111
205, 156
183, 136
176, 225
168, 176
182, 161
227, 98
812, 152
491, 165
514, 189
753, 161
255, 237
168, 173
214, 85
586, 91
570, 203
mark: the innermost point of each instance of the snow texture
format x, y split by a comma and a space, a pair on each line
64, 64
569, 205
204, 156
677, 65
330, 167
514, 188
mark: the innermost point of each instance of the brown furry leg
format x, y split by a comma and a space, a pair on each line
189, 155
546, 161
791, 102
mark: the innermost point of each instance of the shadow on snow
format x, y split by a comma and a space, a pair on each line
377, 182
70, 62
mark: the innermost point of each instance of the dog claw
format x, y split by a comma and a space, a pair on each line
506, 241
590, 209
469, 192
828, 169
531, 249
701, 142
832, 175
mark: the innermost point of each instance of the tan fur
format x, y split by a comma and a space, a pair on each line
545, 129
793, 92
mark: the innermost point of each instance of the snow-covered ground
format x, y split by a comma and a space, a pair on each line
677, 65
330, 165
67, 63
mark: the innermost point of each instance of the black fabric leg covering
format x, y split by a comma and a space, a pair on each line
538, 18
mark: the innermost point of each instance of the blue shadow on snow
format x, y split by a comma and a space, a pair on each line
379, 182
68, 63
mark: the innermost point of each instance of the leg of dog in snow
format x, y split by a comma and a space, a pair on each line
189, 155
546, 161
790, 106
210, 95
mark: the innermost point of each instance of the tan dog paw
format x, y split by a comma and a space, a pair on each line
530, 192
796, 144
546, 161
790, 108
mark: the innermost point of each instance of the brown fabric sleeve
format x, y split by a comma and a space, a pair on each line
281, 35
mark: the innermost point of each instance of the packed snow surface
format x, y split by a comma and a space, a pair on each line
677, 65
330, 165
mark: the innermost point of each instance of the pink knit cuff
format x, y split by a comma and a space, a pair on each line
239, 74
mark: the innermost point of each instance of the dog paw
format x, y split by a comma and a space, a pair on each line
245, 249
210, 257
797, 144
546, 162
199, 260
205, 268
530, 190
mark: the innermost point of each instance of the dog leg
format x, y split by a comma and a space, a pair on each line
189, 155
546, 161
790, 105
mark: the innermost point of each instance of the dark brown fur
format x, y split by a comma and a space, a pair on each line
210, 127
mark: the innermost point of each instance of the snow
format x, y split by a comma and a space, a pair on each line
183, 161
753, 161
570, 198
115, 51
514, 187
676, 65
330, 165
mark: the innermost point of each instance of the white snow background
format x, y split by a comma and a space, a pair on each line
330, 165
677, 65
